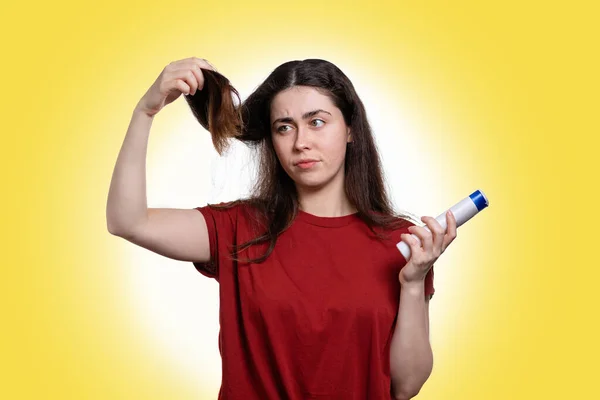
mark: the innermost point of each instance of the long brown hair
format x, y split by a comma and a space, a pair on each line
274, 197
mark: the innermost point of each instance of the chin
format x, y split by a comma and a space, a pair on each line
310, 182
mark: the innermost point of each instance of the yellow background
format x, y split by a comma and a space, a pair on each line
505, 92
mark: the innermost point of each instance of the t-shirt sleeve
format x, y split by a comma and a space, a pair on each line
221, 227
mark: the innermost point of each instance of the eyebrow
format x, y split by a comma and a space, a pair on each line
304, 116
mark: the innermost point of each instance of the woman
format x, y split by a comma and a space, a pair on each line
315, 299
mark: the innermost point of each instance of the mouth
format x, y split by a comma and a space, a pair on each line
306, 164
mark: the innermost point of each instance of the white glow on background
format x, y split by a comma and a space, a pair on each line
178, 305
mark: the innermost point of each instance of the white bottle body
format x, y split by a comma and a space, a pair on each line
463, 211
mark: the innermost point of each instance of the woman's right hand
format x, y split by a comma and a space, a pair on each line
183, 76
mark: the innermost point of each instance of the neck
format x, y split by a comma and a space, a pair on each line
329, 200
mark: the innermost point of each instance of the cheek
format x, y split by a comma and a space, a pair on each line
337, 151
275, 144
280, 152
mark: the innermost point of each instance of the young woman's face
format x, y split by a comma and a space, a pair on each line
307, 126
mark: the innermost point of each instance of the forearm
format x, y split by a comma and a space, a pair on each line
411, 358
127, 203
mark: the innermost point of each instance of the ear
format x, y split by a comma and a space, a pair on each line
350, 140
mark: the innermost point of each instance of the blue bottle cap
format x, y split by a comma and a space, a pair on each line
479, 199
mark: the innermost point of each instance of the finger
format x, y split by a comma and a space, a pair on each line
451, 231
437, 232
196, 72
451, 222
434, 226
197, 63
203, 63
412, 243
199, 77
182, 86
188, 77
424, 235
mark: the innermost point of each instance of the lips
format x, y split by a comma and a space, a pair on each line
306, 161
306, 164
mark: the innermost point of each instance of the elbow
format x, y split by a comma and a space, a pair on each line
115, 230
125, 234
112, 229
410, 386
111, 225
123, 228
407, 393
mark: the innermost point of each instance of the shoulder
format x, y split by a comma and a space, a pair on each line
234, 206
241, 210
392, 226
396, 221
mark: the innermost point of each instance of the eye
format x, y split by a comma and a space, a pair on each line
280, 128
318, 120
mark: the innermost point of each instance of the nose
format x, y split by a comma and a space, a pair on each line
302, 139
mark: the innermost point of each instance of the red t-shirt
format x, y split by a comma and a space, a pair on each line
313, 321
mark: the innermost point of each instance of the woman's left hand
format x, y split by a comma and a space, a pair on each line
433, 244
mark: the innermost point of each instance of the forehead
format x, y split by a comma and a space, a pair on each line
299, 99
